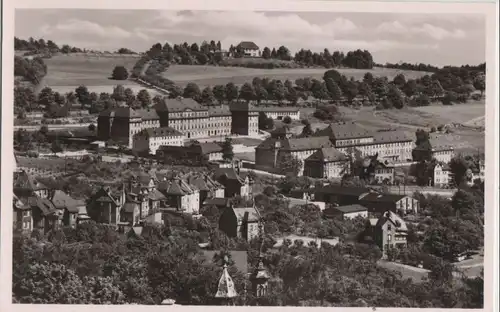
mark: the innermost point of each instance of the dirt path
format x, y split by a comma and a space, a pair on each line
475, 122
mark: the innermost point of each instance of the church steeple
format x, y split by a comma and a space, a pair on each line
260, 276
226, 289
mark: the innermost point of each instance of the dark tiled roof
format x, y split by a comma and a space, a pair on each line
121, 112
311, 143
62, 200
177, 187
391, 137
394, 219
341, 190
350, 208
242, 107
229, 174
277, 109
129, 207
248, 45
148, 114
160, 132
341, 131
156, 195
219, 111
329, 154
179, 105
22, 180
210, 147
387, 198
219, 202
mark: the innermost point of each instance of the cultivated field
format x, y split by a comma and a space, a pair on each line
212, 75
75, 70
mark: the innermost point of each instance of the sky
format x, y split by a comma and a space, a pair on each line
437, 39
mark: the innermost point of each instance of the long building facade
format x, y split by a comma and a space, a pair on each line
394, 146
184, 115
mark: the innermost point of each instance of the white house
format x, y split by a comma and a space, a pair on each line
443, 154
249, 48
442, 175
151, 139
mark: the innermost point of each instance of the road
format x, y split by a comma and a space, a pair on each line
52, 127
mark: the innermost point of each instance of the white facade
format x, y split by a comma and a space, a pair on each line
280, 115
252, 52
441, 175
397, 151
143, 142
219, 193
253, 124
443, 155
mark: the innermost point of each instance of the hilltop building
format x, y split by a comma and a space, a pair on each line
249, 48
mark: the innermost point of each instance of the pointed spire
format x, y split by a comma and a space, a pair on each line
226, 287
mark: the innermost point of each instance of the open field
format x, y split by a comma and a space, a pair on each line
75, 70
212, 75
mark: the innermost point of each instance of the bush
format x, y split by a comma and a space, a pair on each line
120, 73
287, 120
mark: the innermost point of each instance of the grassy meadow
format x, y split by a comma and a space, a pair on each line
213, 75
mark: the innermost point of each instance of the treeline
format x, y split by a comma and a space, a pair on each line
56, 105
31, 70
353, 59
408, 66
212, 54
40, 46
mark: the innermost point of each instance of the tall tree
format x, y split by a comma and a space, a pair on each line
232, 92
227, 150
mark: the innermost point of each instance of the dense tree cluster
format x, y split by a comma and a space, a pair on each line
41, 46
352, 59
31, 70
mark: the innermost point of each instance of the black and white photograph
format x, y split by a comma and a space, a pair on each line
250, 157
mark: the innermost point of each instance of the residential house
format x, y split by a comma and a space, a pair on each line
380, 203
240, 222
346, 212
328, 163
149, 140
69, 206
180, 195
384, 173
388, 231
442, 175
234, 183
106, 204
208, 187
280, 112
249, 49
475, 173
270, 152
